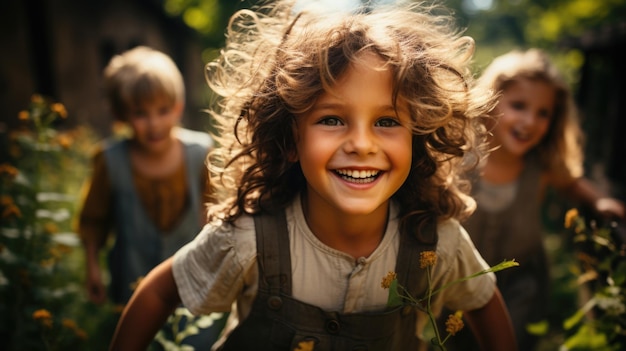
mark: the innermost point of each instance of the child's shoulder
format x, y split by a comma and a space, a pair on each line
189, 136
451, 237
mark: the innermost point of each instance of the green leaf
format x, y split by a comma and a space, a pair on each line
587, 339
394, 298
578, 316
539, 328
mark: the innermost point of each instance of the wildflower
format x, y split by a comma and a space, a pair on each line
6, 200
388, 279
8, 170
428, 259
306, 345
44, 317
50, 228
570, 216
36, 98
454, 324
23, 115
11, 211
68, 323
59, 109
65, 141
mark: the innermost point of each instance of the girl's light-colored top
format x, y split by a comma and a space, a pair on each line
219, 267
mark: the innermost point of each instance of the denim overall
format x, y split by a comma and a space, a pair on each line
277, 321
139, 244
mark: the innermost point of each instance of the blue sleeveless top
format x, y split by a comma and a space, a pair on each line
139, 244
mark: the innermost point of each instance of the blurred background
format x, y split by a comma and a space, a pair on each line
57, 49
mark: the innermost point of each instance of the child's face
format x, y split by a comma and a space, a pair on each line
525, 109
354, 149
152, 124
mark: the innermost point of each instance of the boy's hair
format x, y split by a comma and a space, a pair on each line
139, 76
276, 63
562, 144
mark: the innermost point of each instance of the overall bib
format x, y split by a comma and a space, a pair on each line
277, 321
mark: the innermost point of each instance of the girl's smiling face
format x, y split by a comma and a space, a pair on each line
526, 109
354, 147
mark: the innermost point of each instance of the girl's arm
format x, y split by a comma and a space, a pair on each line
154, 300
491, 325
584, 191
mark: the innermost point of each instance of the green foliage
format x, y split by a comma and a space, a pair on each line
600, 324
182, 324
399, 295
42, 301
36, 282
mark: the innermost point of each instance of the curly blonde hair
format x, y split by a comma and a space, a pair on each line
277, 62
562, 145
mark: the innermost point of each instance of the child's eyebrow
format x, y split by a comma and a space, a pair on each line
339, 105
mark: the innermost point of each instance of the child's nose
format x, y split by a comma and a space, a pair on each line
361, 140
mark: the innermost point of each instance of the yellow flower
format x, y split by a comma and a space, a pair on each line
71, 325
427, 258
44, 317
68, 323
7, 169
388, 279
23, 115
6, 200
570, 216
307, 345
454, 324
50, 228
65, 141
36, 98
59, 109
11, 211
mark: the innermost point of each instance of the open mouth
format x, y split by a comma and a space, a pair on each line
358, 176
520, 135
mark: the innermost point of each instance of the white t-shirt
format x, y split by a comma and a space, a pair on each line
219, 268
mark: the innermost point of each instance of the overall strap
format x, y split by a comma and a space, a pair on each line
408, 270
272, 240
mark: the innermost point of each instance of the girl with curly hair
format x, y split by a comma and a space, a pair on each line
343, 140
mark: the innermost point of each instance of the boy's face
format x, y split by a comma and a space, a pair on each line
152, 124
353, 147
526, 109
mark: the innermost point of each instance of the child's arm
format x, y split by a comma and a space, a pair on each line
154, 300
584, 191
492, 325
94, 225
96, 290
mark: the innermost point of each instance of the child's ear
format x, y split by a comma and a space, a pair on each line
178, 108
292, 156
